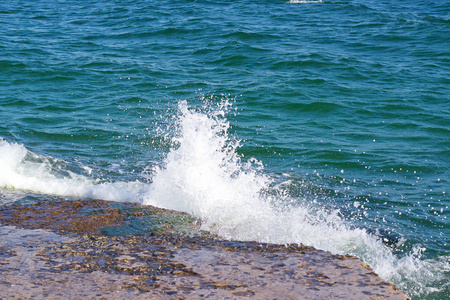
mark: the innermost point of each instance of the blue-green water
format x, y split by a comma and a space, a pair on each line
323, 123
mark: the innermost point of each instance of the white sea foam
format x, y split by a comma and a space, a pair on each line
206, 177
22, 169
305, 1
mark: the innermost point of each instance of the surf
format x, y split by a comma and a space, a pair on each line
25, 170
232, 195
236, 198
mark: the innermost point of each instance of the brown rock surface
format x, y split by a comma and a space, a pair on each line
105, 250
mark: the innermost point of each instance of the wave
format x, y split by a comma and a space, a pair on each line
233, 196
25, 170
305, 1
204, 174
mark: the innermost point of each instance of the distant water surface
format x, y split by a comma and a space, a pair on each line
325, 123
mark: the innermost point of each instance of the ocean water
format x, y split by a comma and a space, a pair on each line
325, 123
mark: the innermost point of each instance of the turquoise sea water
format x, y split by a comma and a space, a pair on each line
325, 123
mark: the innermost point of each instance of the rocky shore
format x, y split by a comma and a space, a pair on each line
94, 249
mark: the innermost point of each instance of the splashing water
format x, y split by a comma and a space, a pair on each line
233, 196
25, 170
206, 177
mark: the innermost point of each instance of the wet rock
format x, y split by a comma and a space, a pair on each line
96, 249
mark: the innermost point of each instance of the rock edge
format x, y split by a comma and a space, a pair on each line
95, 249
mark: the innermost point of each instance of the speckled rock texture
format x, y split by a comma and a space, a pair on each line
96, 249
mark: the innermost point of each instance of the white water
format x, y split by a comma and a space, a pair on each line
206, 177
305, 1
22, 169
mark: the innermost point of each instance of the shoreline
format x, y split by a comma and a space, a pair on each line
97, 249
